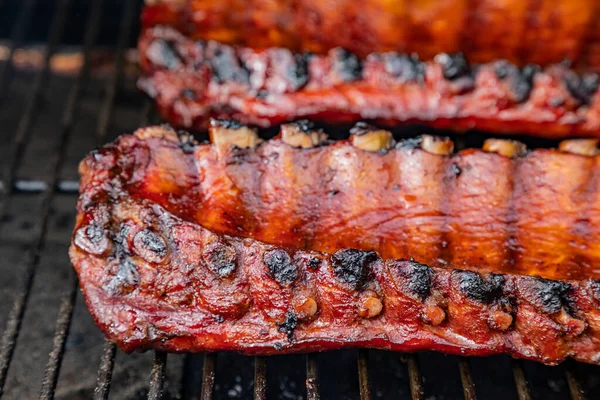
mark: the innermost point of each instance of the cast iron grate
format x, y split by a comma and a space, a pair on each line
52, 185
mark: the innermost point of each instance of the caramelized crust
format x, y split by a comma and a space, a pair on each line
523, 32
160, 270
534, 213
192, 81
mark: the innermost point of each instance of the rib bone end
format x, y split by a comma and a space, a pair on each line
442, 146
507, 148
370, 305
433, 315
230, 133
369, 138
295, 136
583, 147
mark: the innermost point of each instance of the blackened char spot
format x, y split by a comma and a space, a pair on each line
595, 286
150, 245
351, 265
410, 143
404, 68
281, 267
164, 54
419, 279
221, 258
298, 72
475, 287
186, 142
288, 325
524, 83
502, 68
304, 125
347, 65
228, 123
167, 127
551, 295
226, 66
153, 242
189, 93
314, 263
454, 65
360, 128
521, 79
456, 169
126, 279
120, 239
92, 238
582, 87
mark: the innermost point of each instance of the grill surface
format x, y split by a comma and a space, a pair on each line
48, 123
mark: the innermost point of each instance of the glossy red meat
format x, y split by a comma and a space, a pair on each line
159, 269
536, 214
192, 81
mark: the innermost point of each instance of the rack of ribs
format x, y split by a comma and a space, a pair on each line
192, 81
540, 32
301, 244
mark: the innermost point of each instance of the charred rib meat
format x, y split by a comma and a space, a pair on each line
541, 32
501, 209
192, 81
170, 245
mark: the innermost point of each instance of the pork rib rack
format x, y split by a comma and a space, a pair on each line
298, 244
540, 32
192, 81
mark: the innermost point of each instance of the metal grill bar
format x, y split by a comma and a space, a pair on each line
208, 376
68, 299
63, 324
17, 36
520, 381
105, 371
574, 387
414, 376
466, 379
312, 379
260, 378
158, 376
15, 317
32, 186
363, 375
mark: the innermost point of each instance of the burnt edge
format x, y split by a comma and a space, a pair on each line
351, 266
225, 64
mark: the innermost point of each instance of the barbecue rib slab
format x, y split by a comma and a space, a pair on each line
171, 245
541, 32
192, 81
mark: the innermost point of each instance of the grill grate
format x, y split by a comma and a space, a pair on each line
54, 185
